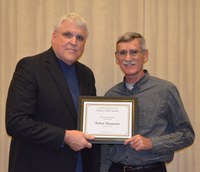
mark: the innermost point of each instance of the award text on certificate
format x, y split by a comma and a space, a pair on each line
110, 119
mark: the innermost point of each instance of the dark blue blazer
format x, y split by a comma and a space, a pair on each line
39, 109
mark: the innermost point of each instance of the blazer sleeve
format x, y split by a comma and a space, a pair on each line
21, 121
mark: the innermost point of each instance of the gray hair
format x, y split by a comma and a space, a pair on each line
129, 36
71, 17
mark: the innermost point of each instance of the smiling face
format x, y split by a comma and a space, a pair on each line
68, 41
131, 59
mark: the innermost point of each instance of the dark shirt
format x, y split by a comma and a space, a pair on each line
160, 116
72, 80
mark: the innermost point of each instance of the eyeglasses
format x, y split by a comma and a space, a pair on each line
132, 52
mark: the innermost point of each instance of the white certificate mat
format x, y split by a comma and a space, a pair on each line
109, 119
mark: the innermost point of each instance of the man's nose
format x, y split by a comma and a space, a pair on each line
128, 57
73, 40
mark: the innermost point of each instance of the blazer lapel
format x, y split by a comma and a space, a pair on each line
60, 81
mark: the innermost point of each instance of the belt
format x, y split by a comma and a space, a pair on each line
129, 168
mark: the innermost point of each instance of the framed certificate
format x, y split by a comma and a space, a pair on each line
110, 119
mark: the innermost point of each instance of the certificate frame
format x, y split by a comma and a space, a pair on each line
101, 116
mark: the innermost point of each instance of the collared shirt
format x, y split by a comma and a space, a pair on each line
160, 116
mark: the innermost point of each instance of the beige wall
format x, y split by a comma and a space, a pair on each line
171, 28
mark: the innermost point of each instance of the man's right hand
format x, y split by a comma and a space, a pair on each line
77, 140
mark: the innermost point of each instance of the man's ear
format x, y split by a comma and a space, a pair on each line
117, 60
146, 56
53, 36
